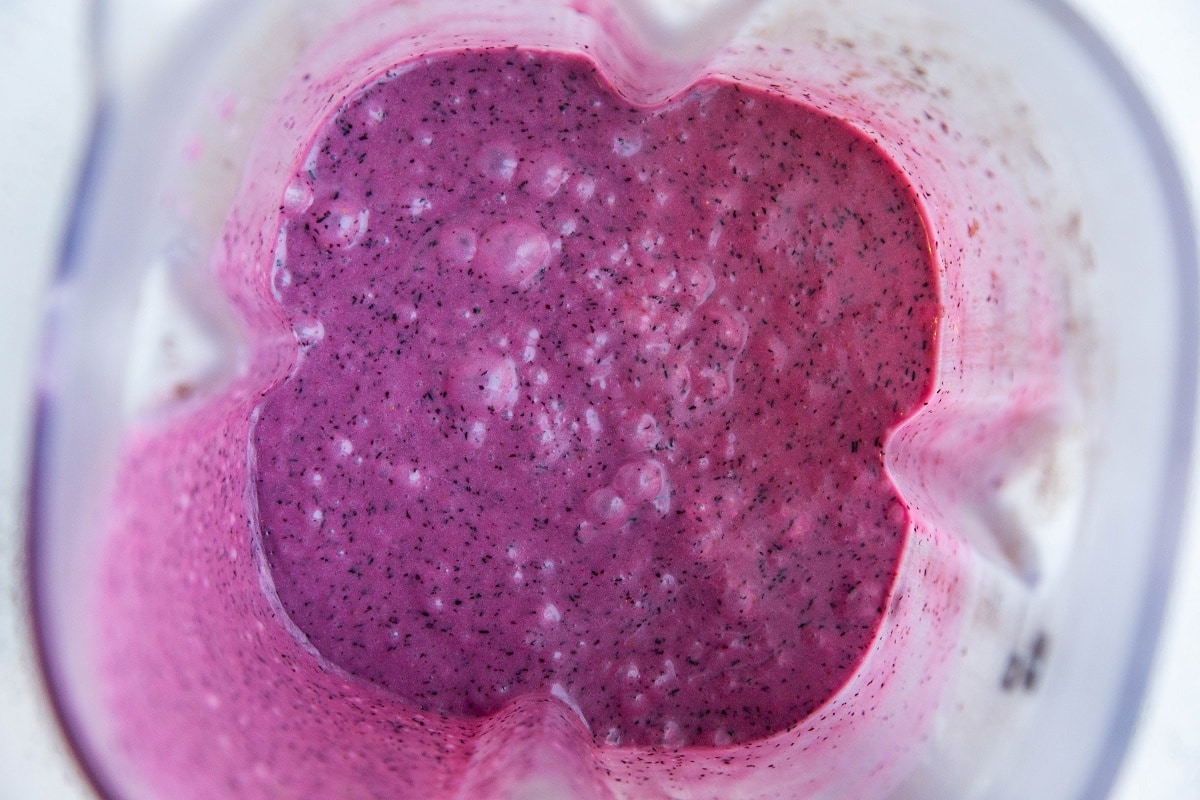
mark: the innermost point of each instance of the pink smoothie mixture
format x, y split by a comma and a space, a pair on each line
585, 411
592, 398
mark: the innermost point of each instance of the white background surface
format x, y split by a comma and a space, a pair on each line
43, 92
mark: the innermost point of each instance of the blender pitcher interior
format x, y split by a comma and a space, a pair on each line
178, 672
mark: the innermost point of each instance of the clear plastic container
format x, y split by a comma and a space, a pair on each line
1046, 479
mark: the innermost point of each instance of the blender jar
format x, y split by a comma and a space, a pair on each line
1044, 478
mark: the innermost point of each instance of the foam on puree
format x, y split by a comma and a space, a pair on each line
590, 400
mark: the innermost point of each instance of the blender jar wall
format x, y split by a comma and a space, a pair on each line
1129, 420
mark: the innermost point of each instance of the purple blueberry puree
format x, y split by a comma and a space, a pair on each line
591, 399
555, 464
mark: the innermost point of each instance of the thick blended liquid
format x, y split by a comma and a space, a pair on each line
592, 398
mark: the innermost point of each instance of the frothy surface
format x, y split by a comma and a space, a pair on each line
592, 399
